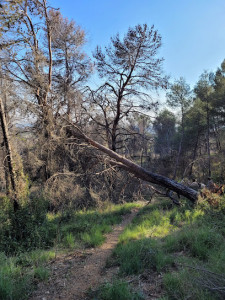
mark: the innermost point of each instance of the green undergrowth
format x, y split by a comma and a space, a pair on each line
88, 228
185, 244
32, 237
33, 227
19, 274
117, 290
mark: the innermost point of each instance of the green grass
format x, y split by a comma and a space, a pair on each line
34, 258
26, 250
41, 273
185, 244
30, 229
95, 237
118, 290
197, 241
180, 286
18, 274
88, 228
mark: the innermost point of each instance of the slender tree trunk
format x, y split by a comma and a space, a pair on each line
115, 123
195, 151
194, 155
9, 157
180, 146
208, 140
48, 118
216, 132
7, 179
141, 156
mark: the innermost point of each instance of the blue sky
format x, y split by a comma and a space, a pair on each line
193, 32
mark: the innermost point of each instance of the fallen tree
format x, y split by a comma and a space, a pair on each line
139, 171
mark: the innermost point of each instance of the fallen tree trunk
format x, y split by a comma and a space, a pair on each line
142, 173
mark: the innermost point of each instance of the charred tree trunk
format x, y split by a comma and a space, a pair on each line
9, 158
115, 124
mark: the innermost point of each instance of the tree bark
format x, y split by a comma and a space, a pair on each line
208, 139
8, 151
180, 144
195, 151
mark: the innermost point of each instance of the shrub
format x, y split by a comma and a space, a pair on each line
25, 229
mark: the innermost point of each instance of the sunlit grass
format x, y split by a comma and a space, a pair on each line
183, 243
87, 228
155, 222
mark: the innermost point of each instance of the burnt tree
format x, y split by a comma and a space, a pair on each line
130, 68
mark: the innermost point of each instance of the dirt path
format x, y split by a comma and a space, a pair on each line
73, 275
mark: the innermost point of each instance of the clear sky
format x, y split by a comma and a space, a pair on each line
193, 31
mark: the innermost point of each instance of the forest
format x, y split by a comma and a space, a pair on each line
77, 159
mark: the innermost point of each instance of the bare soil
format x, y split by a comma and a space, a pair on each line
72, 275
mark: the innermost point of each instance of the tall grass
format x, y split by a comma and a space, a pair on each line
18, 274
118, 290
185, 244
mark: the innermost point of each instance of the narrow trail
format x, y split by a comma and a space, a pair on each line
72, 275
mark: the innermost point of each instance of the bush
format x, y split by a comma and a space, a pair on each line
25, 229
209, 201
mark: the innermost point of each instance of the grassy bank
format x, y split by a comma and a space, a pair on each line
182, 247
